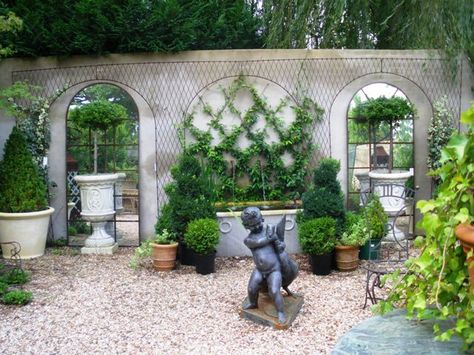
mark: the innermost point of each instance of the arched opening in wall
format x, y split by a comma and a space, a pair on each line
380, 131
108, 145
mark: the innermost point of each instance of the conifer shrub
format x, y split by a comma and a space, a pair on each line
317, 236
22, 189
202, 235
325, 197
190, 196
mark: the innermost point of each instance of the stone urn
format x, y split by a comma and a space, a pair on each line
395, 203
97, 198
465, 234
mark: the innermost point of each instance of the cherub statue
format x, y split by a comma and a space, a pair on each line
273, 267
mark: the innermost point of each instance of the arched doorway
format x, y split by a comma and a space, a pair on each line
117, 152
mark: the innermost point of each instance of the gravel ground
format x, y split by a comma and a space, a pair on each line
97, 304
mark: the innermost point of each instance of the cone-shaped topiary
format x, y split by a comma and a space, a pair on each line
325, 198
22, 189
189, 195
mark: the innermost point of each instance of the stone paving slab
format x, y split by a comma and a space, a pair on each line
394, 334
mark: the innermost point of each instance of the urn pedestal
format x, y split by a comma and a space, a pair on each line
97, 198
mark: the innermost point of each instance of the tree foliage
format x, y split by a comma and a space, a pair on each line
375, 24
109, 26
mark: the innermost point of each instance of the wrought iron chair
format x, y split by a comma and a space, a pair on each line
389, 253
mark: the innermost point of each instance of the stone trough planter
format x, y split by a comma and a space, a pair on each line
233, 233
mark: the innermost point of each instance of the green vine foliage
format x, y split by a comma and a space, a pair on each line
440, 130
437, 282
261, 162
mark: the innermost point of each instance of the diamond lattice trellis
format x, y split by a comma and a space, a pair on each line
169, 87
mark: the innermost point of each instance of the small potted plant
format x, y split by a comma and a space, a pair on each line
375, 220
202, 236
317, 238
24, 211
162, 249
347, 248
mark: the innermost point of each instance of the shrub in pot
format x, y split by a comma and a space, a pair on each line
317, 238
347, 248
190, 198
325, 197
24, 211
202, 236
375, 220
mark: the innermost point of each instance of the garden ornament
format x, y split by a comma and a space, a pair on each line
273, 267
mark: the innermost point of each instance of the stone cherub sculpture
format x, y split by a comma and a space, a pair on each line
273, 267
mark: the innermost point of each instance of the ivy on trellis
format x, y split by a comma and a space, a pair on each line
261, 162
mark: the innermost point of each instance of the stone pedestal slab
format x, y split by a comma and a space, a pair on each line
109, 250
266, 313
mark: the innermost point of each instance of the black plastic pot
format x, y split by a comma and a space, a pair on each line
187, 255
205, 264
321, 264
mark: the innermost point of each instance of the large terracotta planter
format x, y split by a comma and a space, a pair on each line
347, 257
465, 234
164, 256
30, 229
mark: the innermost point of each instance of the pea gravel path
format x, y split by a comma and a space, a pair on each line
97, 304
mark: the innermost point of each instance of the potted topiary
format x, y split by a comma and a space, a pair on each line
190, 198
325, 197
375, 220
24, 216
347, 247
202, 236
97, 190
317, 238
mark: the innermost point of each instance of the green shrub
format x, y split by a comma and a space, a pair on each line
22, 189
356, 236
165, 219
3, 287
202, 235
17, 297
351, 219
165, 237
325, 175
15, 277
189, 194
71, 230
375, 218
317, 236
325, 197
383, 109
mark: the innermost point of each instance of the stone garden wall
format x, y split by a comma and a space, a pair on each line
164, 87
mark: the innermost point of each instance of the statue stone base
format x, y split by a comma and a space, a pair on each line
266, 313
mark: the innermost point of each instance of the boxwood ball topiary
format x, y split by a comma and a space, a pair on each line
202, 235
22, 189
317, 236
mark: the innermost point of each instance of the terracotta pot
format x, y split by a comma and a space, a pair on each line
164, 256
347, 257
465, 234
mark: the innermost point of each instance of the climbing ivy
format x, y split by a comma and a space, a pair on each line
260, 163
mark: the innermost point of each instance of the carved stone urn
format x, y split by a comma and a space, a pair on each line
97, 199
465, 234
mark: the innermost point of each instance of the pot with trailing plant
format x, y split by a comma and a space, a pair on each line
202, 236
317, 238
375, 218
25, 215
97, 190
347, 247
